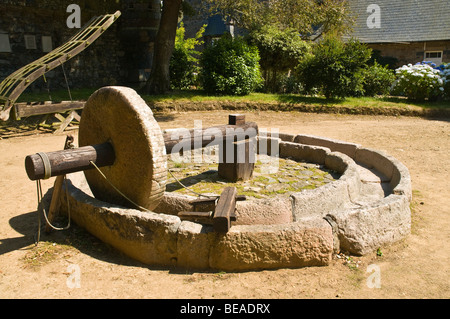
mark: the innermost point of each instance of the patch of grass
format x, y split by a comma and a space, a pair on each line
296, 99
290, 176
45, 252
289, 99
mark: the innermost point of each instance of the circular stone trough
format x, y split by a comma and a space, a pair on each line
366, 208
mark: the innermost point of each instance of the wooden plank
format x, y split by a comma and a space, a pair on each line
65, 123
24, 110
224, 209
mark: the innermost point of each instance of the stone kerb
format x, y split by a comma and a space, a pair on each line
319, 221
364, 228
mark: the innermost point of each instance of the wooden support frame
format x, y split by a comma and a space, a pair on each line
14, 85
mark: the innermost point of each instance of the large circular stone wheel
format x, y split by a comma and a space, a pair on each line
120, 116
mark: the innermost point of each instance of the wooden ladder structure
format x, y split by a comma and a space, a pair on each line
14, 85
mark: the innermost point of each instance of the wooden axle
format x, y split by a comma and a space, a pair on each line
46, 165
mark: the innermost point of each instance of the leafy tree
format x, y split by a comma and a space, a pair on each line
280, 51
184, 61
310, 18
230, 66
335, 68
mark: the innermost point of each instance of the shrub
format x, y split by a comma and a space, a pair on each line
418, 82
335, 68
445, 74
184, 61
377, 80
230, 66
280, 51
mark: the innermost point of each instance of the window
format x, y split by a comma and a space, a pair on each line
4, 43
434, 56
30, 42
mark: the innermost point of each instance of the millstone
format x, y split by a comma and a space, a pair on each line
120, 116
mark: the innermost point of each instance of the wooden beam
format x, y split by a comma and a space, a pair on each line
75, 160
26, 109
209, 136
69, 161
224, 209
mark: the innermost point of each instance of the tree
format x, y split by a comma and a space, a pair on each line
310, 18
159, 80
184, 61
335, 68
280, 51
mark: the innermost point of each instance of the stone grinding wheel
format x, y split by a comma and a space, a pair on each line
120, 116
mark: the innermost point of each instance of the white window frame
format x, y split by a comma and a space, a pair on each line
437, 60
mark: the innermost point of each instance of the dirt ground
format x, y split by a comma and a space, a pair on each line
73, 264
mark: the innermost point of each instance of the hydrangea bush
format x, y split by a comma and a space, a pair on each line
445, 74
419, 82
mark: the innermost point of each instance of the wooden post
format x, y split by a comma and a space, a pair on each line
237, 158
55, 203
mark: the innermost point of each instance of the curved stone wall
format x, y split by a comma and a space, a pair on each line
305, 231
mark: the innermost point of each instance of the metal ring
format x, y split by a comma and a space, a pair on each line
47, 166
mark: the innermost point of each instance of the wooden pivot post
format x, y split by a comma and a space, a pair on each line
225, 210
56, 201
238, 157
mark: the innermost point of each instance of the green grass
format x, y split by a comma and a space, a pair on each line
287, 99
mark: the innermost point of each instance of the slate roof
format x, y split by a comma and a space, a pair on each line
403, 21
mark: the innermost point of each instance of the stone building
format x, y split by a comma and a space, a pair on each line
30, 29
410, 31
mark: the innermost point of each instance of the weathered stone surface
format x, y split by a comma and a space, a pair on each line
334, 145
363, 230
194, 244
320, 201
172, 204
309, 243
299, 231
309, 153
264, 211
375, 159
401, 179
120, 116
145, 236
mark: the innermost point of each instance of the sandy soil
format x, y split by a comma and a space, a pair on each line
417, 267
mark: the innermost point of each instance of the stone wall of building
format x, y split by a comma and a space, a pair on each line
413, 52
115, 58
